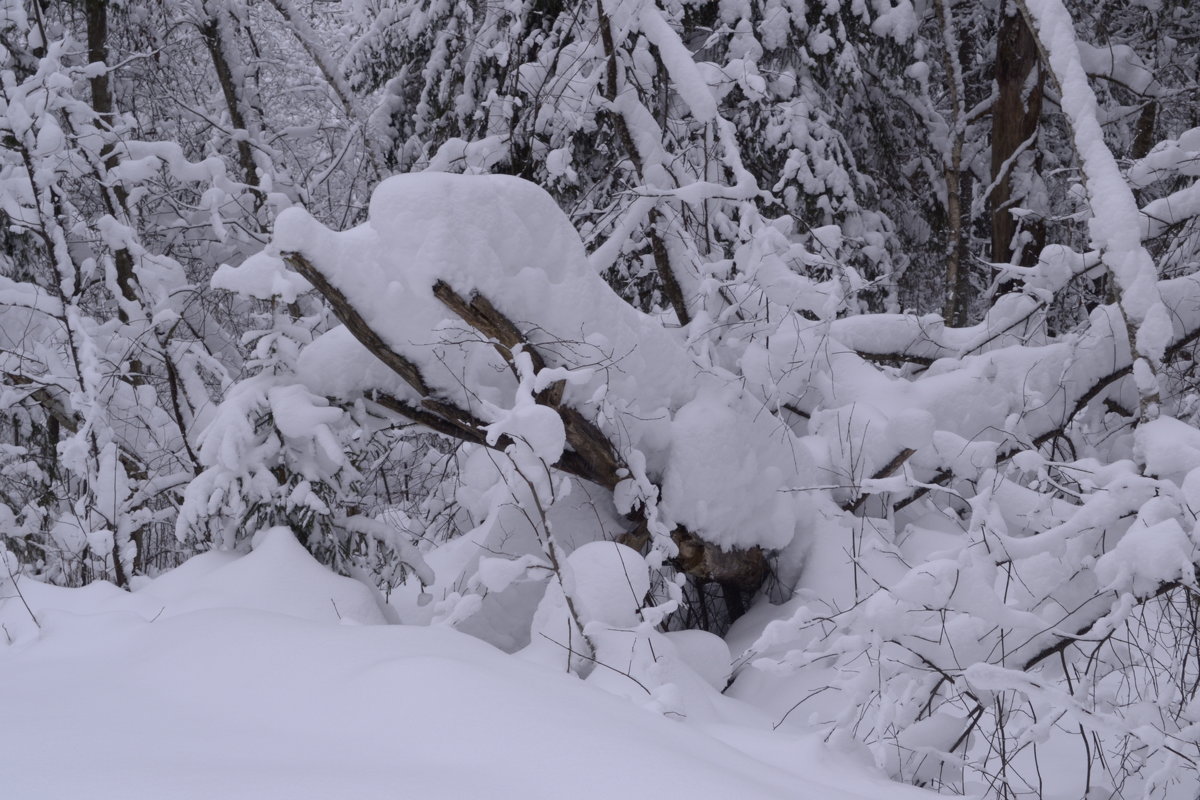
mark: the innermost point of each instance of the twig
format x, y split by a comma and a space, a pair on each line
20, 594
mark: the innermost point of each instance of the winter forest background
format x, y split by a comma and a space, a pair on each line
866, 329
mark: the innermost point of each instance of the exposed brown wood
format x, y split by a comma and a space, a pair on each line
1143, 138
744, 570
886, 471
585, 439
453, 422
480, 314
348, 315
1015, 115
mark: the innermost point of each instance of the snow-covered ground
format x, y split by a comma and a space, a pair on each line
265, 676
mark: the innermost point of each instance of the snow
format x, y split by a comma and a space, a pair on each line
1169, 448
233, 677
1120, 63
261, 277
727, 476
609, 582
1147, 557
706, 654
501, 237
1115, 223
538, 427
978, 538
506, 240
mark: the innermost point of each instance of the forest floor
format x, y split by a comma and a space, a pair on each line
265, 676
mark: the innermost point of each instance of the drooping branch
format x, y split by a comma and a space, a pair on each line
1084, 632
886, 471
344, 310
583, 436
597, 460
1116, 225
1097, 387
480, 314
457, 424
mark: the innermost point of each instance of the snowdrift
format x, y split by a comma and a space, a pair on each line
265, 676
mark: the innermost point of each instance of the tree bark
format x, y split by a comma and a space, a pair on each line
671, 289
1019, 84
957, 304
102, 102
116, 199
211, 33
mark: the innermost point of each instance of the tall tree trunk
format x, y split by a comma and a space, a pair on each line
957, 303
116, 200
671, 289
102, 102
1019, 83
1143, 138
214, 42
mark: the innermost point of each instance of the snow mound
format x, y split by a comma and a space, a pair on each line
275, 700
1170, 448
728, 473
278, 576
1147, 557
609, 582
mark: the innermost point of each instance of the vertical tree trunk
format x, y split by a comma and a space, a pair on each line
115, 198
662, 257
211, 33
1143, 138
1019, 82
957, 302
102, 101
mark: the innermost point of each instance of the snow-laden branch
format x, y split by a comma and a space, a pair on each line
1115, 224
446, 287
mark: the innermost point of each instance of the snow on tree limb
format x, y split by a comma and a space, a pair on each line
1115, 225
447, 272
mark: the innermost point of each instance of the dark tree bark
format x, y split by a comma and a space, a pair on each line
1019, 85
102, 101
1143, 138
211, 33
115, 198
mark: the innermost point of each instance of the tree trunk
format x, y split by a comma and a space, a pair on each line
957, 303
1019, 82
116, 200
